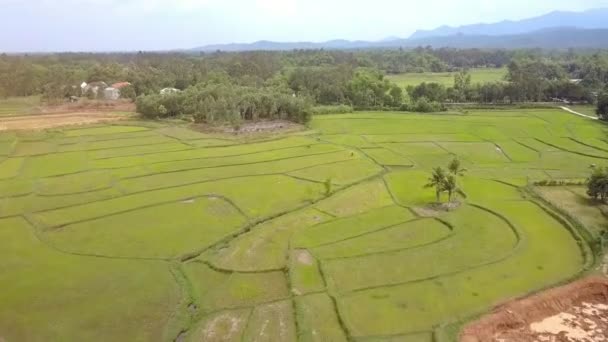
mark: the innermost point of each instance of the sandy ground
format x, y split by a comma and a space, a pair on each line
44, 121
573, 313
304, 257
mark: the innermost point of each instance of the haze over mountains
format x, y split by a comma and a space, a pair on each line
590, 19
555, 30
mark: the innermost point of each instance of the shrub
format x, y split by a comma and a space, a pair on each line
423, 105
227, 103
338, 109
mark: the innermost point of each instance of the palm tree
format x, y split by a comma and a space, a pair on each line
437, 181
455, 168
450, 185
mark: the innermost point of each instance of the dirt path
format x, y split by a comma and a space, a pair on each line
577, 312
579, 114
44, 121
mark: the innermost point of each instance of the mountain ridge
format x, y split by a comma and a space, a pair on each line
590, 19
554, 30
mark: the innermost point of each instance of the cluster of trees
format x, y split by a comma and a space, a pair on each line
220, 102
22, 75
527, 80
327, 78
446, 181
602, 106
361, 88
597, 184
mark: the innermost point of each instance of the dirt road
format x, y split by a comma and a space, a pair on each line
44, 121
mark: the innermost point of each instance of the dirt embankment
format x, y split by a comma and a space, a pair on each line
44, 121
573, 313
88, 106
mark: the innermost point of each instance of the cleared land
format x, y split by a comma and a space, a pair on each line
478, 75
144, 231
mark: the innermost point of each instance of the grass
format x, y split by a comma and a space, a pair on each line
584, 109
171, 235
89, 292
18, 105
574, 201
316, 316
478, 75
141, 231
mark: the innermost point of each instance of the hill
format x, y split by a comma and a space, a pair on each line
557, 38
590, 19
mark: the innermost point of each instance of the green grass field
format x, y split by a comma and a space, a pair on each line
479, 75
18, 105
584, 109
150, 232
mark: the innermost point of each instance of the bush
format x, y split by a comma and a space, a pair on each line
423, 105
338, 109
226, 103
128, 92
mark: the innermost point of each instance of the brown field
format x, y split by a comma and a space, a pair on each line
39, 122
575, 312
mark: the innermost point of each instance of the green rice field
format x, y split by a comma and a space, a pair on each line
18, 105
478, 75
148, 231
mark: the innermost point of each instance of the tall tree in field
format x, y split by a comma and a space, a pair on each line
462, 85
602, 106
455, 167
437, 181
597, 184
450, 185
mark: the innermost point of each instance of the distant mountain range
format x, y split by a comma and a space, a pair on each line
590, 19
556, 30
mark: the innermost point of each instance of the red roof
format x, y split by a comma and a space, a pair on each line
120, 85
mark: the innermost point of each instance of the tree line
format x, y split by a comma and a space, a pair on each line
354, 79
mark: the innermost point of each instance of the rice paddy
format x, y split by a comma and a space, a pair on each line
136, 231
478, 75
18, 105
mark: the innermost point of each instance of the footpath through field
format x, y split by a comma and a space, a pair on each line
579, 114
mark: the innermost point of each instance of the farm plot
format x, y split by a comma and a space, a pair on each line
18, 105
146, 231
478, 75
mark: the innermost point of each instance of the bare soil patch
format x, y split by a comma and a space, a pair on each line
225, 327
44, 121
304, 257
436, 209
252, 128
88, 106
577, 312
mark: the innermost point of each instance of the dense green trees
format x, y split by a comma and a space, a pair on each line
597, 184
327, 78
602, 106
443, 181
227, 103
437, 182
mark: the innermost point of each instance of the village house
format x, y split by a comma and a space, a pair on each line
109, 92
167, 91
93, 87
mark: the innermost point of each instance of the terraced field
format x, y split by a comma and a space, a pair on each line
18, 105
142, 231
478, 75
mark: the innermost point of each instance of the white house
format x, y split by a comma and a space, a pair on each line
168, 91
94, 87
111, 93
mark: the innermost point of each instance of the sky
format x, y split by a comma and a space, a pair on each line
132, 25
